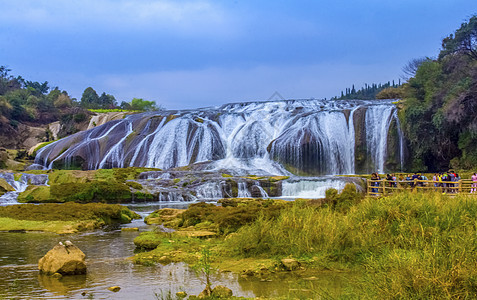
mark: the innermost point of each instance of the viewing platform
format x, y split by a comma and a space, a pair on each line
385, 187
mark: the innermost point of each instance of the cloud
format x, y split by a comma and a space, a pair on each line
178, 17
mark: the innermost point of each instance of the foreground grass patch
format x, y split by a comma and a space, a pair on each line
63, 218
404, 246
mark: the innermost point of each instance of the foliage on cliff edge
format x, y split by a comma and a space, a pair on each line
439, 111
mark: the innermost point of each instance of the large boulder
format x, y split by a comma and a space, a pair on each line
5, 187
66, 259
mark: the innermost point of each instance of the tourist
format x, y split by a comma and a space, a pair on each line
424, 177
456, 179
375, 177
474, 183
414, 179
393, 178
409, 178
388, 179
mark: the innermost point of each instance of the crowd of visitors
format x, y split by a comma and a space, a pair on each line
447, 182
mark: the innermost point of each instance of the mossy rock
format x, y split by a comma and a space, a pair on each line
96, 191
134, 185
148, 240
5, 187
195, 233
169, 217
70, 176
278, 178
37, 194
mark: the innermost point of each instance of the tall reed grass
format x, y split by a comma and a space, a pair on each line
406, 245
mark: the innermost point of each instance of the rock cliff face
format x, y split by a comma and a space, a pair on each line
23, 136
65, 259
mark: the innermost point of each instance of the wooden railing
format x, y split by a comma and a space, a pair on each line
385, 187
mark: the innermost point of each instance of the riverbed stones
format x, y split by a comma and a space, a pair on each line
290, 264
129, 229
114, 288
221, 291
181, 294
63, 259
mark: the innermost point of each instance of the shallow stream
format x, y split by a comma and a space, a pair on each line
106, 258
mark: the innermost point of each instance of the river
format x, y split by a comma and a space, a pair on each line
107, 252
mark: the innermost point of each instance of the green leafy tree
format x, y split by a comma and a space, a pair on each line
464, 40
107, 101
439, 112
90, 99
37, 88
143, 105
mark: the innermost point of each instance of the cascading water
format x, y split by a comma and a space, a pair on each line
305, 137
243, 191
311, 187
20, 185
378, 119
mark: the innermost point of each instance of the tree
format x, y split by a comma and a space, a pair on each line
90, 98
143, 105
463, 41
37, 88
411, 67
107, 101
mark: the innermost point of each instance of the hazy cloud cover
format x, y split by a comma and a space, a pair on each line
186, 53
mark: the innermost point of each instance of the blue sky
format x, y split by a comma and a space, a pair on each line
186, 54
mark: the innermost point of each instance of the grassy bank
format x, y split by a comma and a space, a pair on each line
62, 218
403, 246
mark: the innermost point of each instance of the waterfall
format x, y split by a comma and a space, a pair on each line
378, 120
210, 190
243, 191
263, 193
20, 185
310, 187
305, 137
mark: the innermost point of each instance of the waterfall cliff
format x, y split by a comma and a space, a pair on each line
305, 137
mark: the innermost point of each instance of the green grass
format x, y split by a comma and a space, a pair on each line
68, 212
63, 218
406, 245
9, 224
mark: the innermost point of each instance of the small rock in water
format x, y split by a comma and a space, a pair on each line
181, 294
290, 264
63, 259
129, 229
221, 291
164, 260
114, 288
